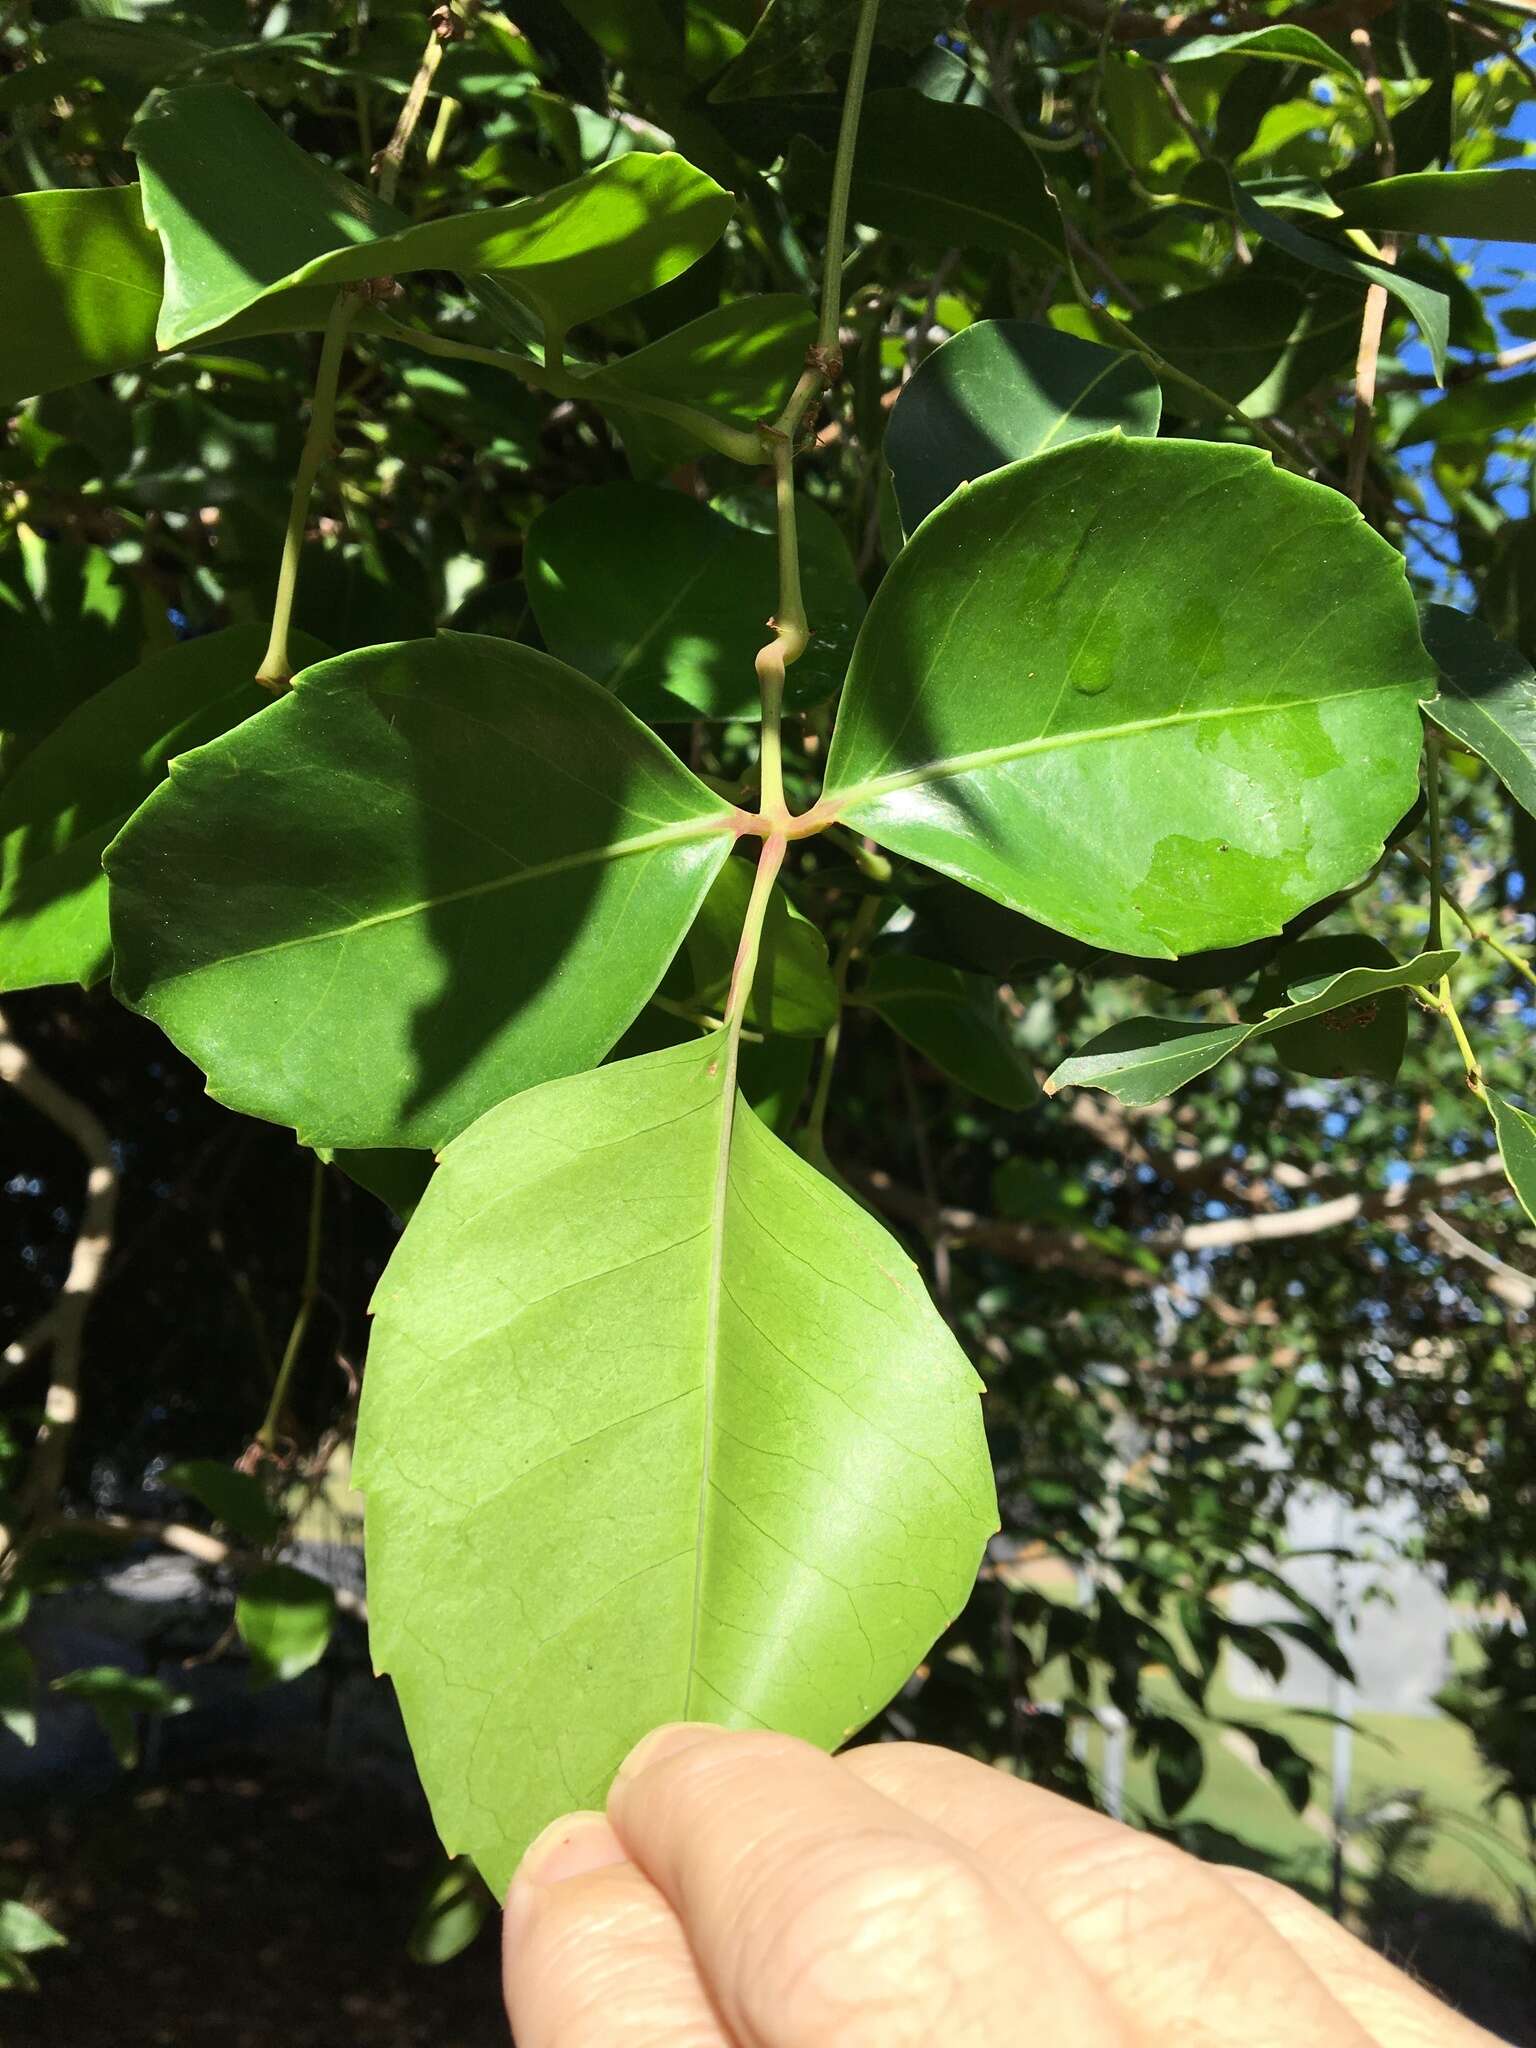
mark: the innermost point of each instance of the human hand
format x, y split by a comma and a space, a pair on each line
746, 1891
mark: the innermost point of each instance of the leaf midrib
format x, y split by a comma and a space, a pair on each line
618, 849
719, 1191
1017, 750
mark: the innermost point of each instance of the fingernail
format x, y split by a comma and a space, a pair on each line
569, 1847
662, 1743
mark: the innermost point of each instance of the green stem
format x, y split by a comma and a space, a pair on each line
1475, 932
769, 861
266, 1436
1436, 853
741, 444
276, 670
842, 178
791, 630
1446, 1004
814, 1142
392, 155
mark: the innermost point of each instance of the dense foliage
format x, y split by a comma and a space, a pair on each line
679, 637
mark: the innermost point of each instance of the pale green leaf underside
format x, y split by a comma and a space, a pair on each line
1155, 763
243, 212
658, 1425
1517, 1149
1487, 697
1146, 1058
431, 875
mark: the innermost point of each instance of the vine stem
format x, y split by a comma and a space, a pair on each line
791, 630
276, 670
266, 1436
1474, 931
814, 1143
1445, 1001
741, 444
387, 164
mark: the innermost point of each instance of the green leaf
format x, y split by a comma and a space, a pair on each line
1179, 1761
990, 195
1431, 309
1259, 341
793, 42
70, 620
25, 1933
87, 270
284, 1617
1282, 44
737, 363
237, 1499
1002, 390
81, 784
664, 601
285, 906
793, 991
1517, 1148
1495, 206
1367, 1036
243, 213
657, 1425
953, 1019
1158, 695
1487, 697
17, 1680
1146, 1058
455, 1909
1472, 411
1281, 1759
118, 1698
396, 1176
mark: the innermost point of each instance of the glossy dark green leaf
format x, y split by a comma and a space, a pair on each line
1487, 697
430, 875
1285, 43
699, 1397
1431, 309
737, 363
793, 992
1282, 1760
1157, 695
664, 601
794, 41
1002, 390
1146, 1058
1259, 341
1368, 1036
1496, 206
1472, 411
1178, 1761
284, 1617
87, 269
118, 1698
991, 194
953, 1019
70, 620
243, 212
1516, 1130
80, 785
237, 1499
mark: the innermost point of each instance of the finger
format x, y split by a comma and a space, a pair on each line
1182, 1953
592, 1954
820, 1911
1392, 2008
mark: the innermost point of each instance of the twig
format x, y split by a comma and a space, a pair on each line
61, 1406
1368, 354
266, 1436
388, 162
1474, 931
